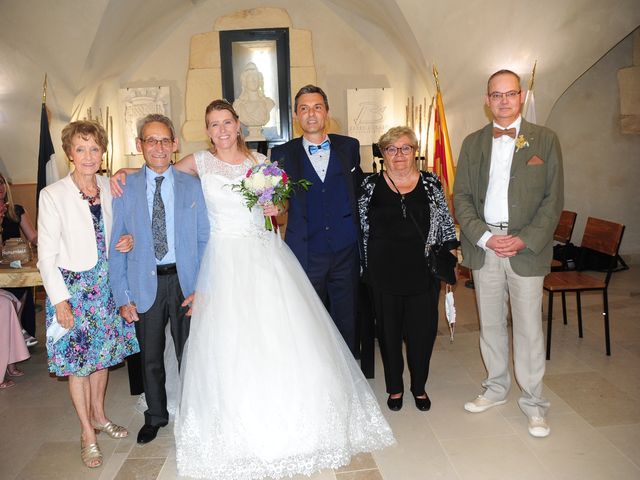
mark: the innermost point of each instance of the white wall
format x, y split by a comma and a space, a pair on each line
91, 48
349, 53
602, 166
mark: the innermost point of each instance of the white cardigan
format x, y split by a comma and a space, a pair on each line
66, 237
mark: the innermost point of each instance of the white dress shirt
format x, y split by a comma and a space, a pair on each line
496, 203
320, 159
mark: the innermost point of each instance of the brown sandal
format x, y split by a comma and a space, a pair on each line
14, 371
7, 384
91, 453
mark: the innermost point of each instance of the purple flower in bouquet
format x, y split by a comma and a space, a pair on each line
266, 196
266, 183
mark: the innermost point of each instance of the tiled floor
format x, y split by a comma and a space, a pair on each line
594, 417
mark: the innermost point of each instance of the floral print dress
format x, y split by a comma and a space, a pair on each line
100, 337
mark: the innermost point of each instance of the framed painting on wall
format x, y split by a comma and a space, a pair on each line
255, 79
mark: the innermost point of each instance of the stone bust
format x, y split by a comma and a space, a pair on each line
253, 106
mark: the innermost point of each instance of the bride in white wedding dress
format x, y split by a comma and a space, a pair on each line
270, 389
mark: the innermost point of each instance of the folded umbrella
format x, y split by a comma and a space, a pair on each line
450, 310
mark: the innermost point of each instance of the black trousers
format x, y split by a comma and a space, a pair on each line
413, 318
335, 278
150, 330
366, 330
134, 368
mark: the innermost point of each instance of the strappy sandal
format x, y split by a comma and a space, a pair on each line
14, 371
90, 453
7, 384
111, 429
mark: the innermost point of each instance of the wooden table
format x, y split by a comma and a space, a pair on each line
27, 276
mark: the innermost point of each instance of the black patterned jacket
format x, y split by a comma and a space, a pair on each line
441, 228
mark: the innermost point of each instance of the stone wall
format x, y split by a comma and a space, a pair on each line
204, 80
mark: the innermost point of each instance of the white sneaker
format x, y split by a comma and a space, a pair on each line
482, 403
538, 427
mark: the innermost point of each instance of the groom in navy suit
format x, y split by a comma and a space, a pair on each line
322, 226
154, 283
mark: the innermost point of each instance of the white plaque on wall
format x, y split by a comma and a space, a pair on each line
369, 113
137, 103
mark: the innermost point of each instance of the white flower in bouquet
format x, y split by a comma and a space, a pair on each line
265, 184
275, 180
258, 181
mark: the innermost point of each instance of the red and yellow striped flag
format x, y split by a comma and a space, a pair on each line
442, 157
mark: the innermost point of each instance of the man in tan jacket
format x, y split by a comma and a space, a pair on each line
508, 196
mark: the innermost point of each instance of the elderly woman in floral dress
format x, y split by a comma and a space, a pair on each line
74, 225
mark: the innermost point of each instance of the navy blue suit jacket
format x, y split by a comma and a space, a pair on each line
291, 156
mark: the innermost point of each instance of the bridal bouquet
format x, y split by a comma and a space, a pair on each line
266, 183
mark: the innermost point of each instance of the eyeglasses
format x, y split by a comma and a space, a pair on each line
392, 150
510, 95
152, 142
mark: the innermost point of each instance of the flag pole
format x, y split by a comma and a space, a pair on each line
426, 148
533, 75
528, 109
434, 70
44, 89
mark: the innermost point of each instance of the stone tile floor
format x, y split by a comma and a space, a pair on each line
594, 417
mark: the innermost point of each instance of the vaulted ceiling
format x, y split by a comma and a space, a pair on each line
83, 43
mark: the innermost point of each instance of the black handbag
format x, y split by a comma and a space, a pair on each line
441, 263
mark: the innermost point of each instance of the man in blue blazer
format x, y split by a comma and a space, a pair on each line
154, 283
322, 225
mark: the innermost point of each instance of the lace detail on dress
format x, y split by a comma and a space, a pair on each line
227, 209
225, 454
206, 163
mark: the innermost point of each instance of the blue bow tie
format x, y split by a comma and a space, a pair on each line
323, 146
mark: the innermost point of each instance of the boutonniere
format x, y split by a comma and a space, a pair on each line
521, 143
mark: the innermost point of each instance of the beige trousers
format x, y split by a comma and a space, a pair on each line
496, 286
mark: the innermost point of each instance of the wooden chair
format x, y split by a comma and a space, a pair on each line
604, 237
563, 233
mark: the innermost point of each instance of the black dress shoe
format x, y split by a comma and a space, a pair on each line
423, 404
147, 433
394, 404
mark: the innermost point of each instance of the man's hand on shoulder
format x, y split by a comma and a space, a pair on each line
120, 177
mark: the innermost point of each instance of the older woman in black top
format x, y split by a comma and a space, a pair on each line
400, 208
